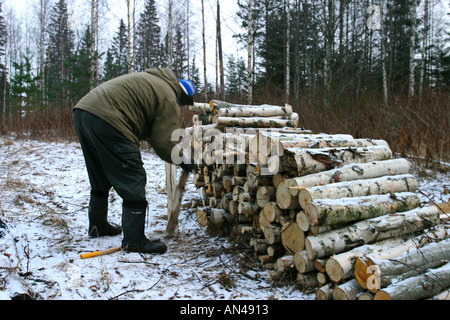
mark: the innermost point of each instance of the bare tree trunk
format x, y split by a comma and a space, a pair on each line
204, 51
128, 37
42, 23
219, 46
169, 38
288, 49
412, 51
188, 40
424, 48
94, 44
134, 36
383, 59
249, 53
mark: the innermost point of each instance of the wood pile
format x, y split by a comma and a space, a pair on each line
224, 115
335, 214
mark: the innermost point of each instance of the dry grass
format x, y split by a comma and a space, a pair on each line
412, 128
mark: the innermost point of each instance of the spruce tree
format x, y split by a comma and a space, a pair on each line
59, 51
148, 38
82, 65
116, 62
24, 86
179, 54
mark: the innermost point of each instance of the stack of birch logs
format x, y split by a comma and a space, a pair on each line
223, 115
338, 215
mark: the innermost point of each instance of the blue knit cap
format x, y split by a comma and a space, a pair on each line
188, 87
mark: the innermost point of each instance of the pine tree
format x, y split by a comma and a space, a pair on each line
59, 51
148, 37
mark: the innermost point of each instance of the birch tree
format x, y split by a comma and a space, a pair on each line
424, 47
250, 53
412, 51
220, 54
3, 37
288, 42
205, 89
170, 37
94, 43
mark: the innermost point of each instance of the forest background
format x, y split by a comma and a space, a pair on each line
370, 68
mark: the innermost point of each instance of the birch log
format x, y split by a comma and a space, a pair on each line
324, 292
284, 198
255, 111
300, 162
411, 263
275, 143
354, 171
203, 215
216, 105
271, 212
272, 234
346, 291
200, 107
253, 122
327, 212
421, 286
220, 217
359, 188
370, 230
302, 263
277, 146
341, 266
265, 194
292, 237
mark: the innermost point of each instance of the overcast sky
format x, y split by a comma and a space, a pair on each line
79, 11
116, 9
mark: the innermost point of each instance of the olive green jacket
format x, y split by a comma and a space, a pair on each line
142, 106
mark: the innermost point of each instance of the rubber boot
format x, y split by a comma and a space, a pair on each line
134, 239
98, 213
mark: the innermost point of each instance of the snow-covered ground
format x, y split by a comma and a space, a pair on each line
44, 194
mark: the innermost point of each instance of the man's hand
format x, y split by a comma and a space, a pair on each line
188, 167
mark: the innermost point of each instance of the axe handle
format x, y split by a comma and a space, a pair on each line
176, 200
99, 253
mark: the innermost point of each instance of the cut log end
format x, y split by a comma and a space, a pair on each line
334, 270
381, 295
302, 221
363, 275
312, 214
304, 197
292, 237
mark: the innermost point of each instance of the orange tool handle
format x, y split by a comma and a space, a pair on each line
99, 253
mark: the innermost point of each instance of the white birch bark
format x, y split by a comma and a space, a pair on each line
409, 264
301, 161
421, 286
250, 53
347, 291
359, 188
341, 266
371, 230
354, 171
325, 212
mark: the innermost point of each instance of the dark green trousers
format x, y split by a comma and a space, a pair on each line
111, 159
